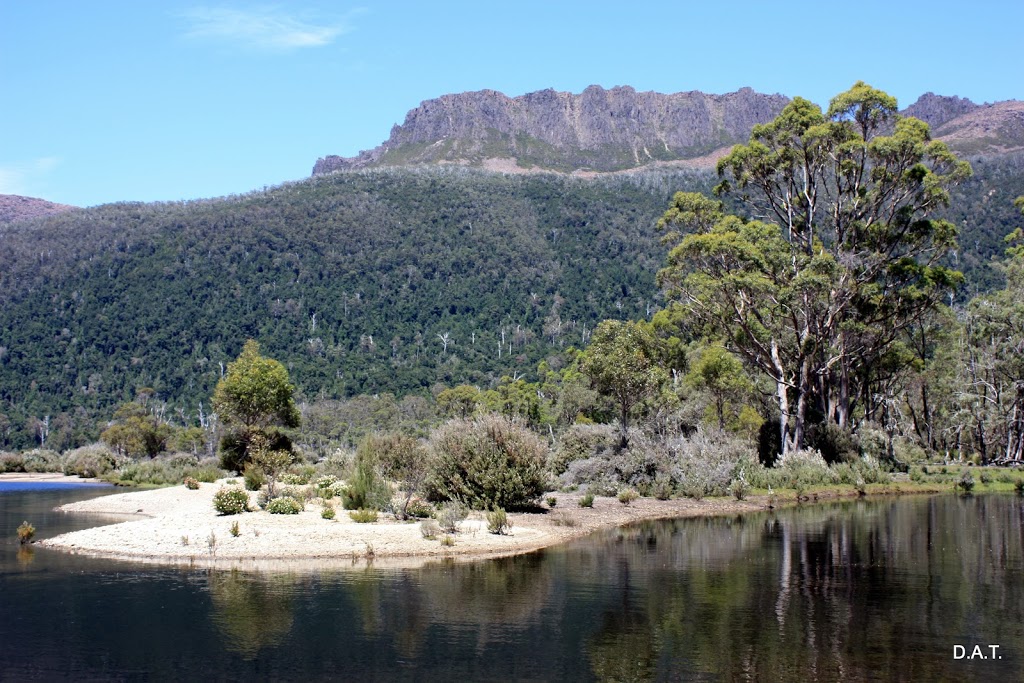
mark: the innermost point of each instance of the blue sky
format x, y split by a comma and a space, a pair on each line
107, 101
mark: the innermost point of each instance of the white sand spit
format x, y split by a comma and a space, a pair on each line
179, 526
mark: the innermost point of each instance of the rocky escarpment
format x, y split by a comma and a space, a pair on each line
599, 130
14, 207
936, 110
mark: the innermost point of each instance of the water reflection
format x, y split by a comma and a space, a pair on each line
251, 611
856, 591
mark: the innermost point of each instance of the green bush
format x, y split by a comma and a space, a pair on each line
11, 462
587, 500
740, 488
328, 512
89, 461
497, 522
363, 515
191, 483
627, 496
663, 488
254, 477
489, 462
42, 460
366, 489
966, 482
206, 472
285, 505
230, 501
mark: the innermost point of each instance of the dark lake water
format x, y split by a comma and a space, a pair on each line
867, 590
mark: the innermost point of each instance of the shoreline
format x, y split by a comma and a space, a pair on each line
49, 477
176, 526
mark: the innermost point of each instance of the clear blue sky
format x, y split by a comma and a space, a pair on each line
107, 100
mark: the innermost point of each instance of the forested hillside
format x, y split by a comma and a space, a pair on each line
360, 282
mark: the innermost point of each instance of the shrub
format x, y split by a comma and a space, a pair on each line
254, 477
328, 512
25, 532
323, 485
450, 516
489, 462
420, 508
833, 442
191, 484
966, 482
405, 462
587, 500
11, 462
985, 477
230, 501
234, 448
564, 519
662, 489
429, 529
42, 460
206, 471
740, 487
1018, 486
497, 522
284, 505
551, 501
292, 479
235, 530
363, 515
579, 442
448, 540
365, 487
627, 496
89, 461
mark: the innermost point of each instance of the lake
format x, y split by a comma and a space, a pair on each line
864, 590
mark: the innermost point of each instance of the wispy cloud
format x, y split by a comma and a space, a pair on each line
262, 28
22, 177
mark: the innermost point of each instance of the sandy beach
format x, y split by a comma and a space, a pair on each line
179, 526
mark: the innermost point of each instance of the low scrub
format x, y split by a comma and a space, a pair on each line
89, 461
42, 460
497, 522
285, 505
363, 515
581, 442
489, 462
11, 462
164, 471
230, 501
450, 517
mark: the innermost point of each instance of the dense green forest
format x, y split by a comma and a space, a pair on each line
395, 281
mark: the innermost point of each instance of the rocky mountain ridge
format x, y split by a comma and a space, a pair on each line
597, 130
620, 128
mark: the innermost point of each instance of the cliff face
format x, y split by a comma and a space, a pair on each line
599, 130
619, 129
